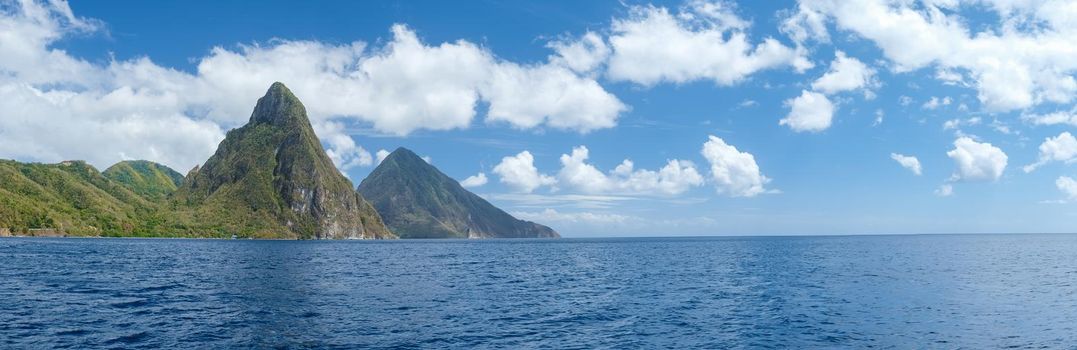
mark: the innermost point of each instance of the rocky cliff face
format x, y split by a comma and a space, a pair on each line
271, 178
419, 201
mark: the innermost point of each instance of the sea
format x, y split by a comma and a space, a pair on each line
894, 291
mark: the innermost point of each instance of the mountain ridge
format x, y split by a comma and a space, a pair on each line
273, 179
417, 200
270, 178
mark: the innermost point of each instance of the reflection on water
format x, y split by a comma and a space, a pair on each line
936, 291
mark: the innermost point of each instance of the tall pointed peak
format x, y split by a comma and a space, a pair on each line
278, 106
404, 156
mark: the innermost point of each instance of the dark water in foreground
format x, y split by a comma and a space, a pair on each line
905, 291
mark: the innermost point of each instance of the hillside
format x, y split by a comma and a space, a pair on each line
272, 179
69, 198
419, 201
148, 179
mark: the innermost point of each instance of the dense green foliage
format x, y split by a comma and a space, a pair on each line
147, 179
71, 198
417, 200
269, 179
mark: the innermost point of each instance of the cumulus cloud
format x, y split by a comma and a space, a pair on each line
701, 41
520, 173
907, 162
1054, 118
811, 112
381, 154
977, 161
474, 180
55, 106
1061, 148
676, 177
734, 173
1022, 61
845, 74
1068, 186
342, 149
583, 55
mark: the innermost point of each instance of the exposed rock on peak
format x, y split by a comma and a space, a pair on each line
272, 178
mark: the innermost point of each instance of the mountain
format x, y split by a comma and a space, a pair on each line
419, 201
145, 178
271, 178
69, 198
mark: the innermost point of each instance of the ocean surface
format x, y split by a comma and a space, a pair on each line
937, 291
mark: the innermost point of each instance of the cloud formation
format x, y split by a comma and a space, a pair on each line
701, 41
907, 162
138, 109
520, 173
1011, 65
845, 74
734, 173
1061, 148
474, 180
676, 177
810, 112
977, 161
1068, 186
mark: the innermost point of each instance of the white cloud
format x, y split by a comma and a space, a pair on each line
582, 201
554, 217
977, 161
1054, 118
381, 154
805, 23
342, 149
845, 74
676, 177
733, 172
811, 111
702, 41
1022, 61
528, 97
944, 190
954, 124
878, 118
905, 100
907, 162
519, 172
1068, 186
583, 55
950, 77
1061, 148
474, 180
55, 106
936, 102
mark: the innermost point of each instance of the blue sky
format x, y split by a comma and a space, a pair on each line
654, 82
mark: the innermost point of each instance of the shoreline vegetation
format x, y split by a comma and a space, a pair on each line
269, 179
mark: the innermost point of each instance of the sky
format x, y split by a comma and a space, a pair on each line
597, 118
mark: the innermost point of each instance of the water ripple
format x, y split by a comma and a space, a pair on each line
888, 291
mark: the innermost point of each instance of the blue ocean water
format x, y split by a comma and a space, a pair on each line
947, 291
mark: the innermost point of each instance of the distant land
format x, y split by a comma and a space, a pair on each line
269, 179
417, 200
